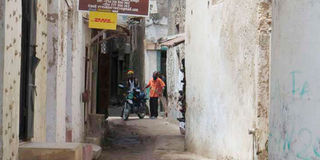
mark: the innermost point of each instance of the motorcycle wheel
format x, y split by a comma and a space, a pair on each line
142, 113
125, 115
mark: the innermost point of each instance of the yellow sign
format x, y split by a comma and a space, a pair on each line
103, 20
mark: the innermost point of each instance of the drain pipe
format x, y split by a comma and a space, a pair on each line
253, 133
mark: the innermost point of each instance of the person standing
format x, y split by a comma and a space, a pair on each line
156, 87
163, 97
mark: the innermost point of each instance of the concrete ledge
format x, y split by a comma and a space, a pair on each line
50, 151
94, 140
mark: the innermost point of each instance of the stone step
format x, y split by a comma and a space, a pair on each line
94, 140
96, 151
97, 125
51, 151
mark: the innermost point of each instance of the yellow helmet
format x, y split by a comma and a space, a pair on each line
130, 72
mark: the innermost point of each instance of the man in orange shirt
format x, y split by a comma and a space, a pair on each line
156, 87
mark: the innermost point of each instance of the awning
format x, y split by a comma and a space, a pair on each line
174, 41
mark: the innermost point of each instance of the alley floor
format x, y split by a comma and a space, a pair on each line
145, 139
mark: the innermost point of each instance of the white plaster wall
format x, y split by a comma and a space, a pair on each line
157, 24
221, 45
56, 86
78, 76
61, 75
41, 74
294, 117
174, 84
69, 88
155, 32
2, 49
150, 64
10, 59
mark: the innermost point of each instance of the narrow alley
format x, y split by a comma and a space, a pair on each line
159, 80
145, 140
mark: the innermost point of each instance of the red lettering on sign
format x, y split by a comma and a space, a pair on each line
102, 20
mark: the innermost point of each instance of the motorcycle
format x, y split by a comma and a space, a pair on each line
135, 103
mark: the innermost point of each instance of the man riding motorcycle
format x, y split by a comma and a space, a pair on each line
132, 82
135, 99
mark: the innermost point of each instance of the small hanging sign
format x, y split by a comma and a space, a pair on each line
103, 20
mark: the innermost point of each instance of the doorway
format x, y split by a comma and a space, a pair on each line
29, 62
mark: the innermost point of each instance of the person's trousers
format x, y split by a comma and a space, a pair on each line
154, 106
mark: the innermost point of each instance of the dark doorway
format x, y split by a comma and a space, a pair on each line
29, 62
163, 72
103, 87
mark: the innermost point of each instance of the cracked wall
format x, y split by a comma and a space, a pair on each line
10, 59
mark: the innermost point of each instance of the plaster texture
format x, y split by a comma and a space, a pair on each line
10, 60
223, 65
294, 117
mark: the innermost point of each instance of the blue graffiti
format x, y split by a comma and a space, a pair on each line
315, 148
307, 145
304, 88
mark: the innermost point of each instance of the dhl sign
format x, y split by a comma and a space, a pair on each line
103, 20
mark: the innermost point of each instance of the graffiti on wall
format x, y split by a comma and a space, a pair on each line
288, 139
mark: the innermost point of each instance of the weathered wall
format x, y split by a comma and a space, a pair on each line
2, 49
223, 48
56, 86
157, 22
294, 117
174, 78
41, 74
137, 57
262, 79
177, 13
69, 89
10, 59
76, 36
78, 74
150, 64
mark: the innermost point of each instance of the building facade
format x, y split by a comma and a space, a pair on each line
37, 63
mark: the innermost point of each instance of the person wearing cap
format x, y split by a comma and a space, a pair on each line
156, 87
132, 81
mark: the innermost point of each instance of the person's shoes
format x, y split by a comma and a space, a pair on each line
152, 117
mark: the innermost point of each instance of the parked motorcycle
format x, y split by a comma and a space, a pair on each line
135, 103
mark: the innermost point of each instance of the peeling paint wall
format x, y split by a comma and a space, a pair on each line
294, 113
56, 86
41, 74
10, 60
262, 62
227, 61
174, 78
177, 15
76, 42
157, 22
78, 74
